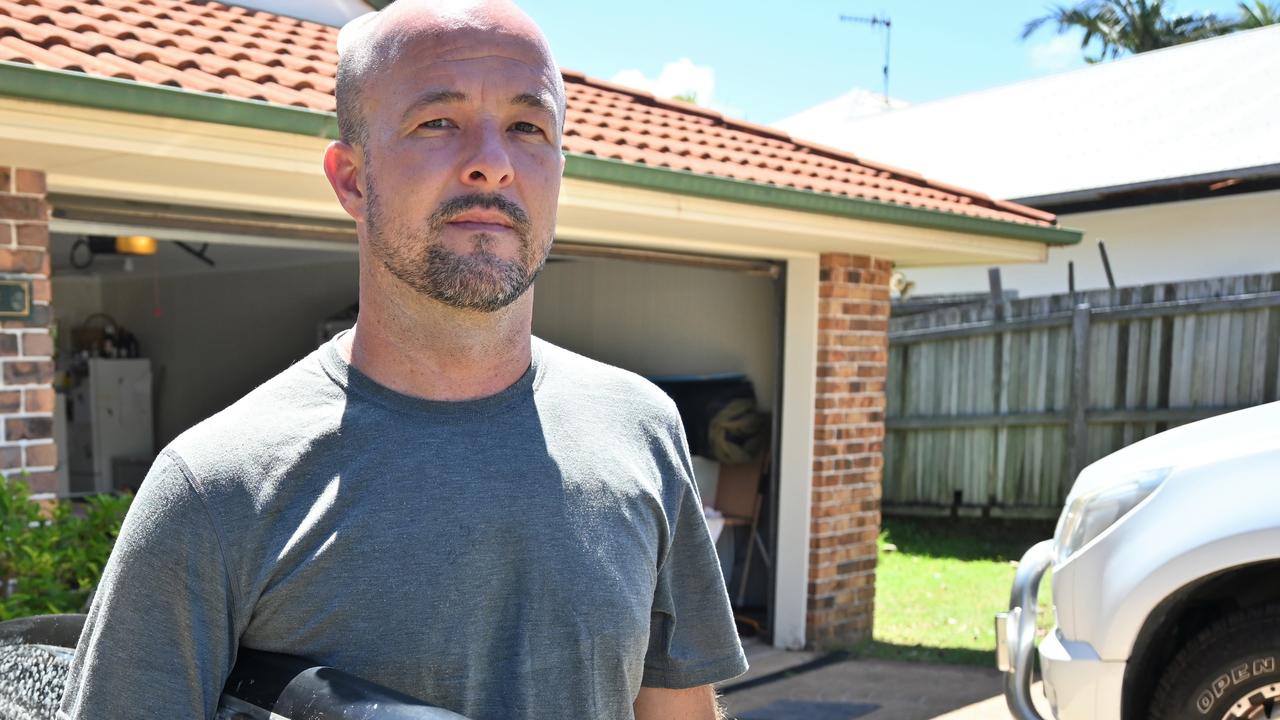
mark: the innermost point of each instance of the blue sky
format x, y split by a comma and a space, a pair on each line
764, 61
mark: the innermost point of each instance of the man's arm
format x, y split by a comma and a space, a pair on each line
160, 638
698, 703
693, 641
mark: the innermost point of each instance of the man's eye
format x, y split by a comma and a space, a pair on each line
434, 123
526, 127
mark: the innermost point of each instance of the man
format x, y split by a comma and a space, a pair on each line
436, 501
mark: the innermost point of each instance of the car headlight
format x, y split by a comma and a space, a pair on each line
1087, 516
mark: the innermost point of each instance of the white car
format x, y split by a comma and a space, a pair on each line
1166, 582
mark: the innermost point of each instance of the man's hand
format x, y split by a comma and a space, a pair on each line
697, 703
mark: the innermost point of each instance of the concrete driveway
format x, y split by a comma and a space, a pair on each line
808, 686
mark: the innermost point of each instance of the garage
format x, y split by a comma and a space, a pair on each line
155, 336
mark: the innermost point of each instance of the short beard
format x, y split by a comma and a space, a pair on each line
478, 281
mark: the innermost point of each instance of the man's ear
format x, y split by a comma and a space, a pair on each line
342, 164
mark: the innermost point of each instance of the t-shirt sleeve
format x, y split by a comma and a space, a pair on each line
159, 640
692, 637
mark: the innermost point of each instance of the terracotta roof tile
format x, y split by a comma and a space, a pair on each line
239, 52
33, 54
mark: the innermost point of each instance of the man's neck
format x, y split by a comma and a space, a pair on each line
420, 347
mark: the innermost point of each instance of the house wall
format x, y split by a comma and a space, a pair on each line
848, 441
26, 347
1232, 235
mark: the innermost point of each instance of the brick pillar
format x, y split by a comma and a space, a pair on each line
853, 346
26, 347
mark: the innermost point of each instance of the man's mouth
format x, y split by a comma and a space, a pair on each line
479, 227
481, 220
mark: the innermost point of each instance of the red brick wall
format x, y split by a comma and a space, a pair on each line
26, 347
853, 346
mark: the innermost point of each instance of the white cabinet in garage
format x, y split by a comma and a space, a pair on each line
109, 418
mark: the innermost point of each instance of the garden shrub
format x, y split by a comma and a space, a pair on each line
52, 556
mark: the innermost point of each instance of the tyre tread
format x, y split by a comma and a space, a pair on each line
1173, 678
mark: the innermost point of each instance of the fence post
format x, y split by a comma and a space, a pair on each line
999, 387
1078, 426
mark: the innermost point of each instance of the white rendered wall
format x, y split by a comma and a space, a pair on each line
1232, 235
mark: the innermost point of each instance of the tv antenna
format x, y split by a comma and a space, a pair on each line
873, 21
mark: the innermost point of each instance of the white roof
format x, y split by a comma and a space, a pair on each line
854, 104
1191, 110
329, 12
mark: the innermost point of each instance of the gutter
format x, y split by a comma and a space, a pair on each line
1149, 192
74, 88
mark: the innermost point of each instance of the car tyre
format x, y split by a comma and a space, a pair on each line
1229, 671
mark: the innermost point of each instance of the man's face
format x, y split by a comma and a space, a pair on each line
462, 167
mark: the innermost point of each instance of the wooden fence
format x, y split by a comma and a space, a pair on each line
993, 407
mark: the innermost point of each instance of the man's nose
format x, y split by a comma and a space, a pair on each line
490, 164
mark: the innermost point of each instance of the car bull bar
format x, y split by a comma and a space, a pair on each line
1016, 631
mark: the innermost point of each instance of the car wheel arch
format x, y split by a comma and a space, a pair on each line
1181, 615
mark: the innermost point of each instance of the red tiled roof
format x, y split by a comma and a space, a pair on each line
238, 52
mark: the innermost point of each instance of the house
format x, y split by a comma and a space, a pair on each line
687, 243
1171, 157
327, 12
856, 103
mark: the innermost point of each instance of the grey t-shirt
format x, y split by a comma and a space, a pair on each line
540, 553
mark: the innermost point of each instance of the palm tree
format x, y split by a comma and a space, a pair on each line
1262, 13
1131, 25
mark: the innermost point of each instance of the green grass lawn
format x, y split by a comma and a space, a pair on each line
938, 592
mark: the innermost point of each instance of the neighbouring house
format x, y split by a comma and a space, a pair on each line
328, 12
1172, 157
688, 244
857, 103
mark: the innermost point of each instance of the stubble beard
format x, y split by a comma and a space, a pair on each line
479, 280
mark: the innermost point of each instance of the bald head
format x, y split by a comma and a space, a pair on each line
374, 42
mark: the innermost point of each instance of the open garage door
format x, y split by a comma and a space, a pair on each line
229, 299
149, 345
